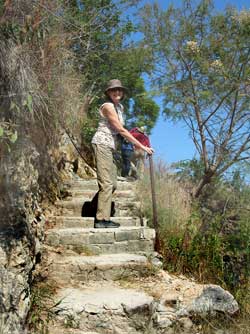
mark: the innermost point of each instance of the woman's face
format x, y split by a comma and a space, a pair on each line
115, 94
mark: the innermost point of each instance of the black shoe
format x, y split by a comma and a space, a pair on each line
105, 224
100, 223
110, 224
131, 178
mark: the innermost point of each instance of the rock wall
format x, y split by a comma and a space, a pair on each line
21, 232
26, 173
28, 166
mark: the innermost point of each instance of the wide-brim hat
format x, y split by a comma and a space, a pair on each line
115, 83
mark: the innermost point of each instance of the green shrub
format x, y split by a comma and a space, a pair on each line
207, 239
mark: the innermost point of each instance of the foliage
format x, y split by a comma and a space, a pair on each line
7, 133
110, 54
41, 91
190, 170
207, 239
214, 245
64, 53
143, 111
71, 321
203, 74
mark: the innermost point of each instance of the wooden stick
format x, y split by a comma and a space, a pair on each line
155, 218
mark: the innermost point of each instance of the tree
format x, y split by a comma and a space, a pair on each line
143, 110
100, 38
202, 68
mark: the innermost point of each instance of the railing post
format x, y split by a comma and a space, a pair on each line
155, 218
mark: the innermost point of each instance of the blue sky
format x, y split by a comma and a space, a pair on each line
171, 141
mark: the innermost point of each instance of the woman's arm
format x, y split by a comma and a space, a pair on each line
108, 111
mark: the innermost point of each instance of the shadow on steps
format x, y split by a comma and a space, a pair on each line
89, 208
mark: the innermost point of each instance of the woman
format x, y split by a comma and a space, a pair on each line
104, 144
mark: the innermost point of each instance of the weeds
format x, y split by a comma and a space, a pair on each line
43, 308
71, 322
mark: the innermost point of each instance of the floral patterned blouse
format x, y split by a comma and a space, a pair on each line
106, 133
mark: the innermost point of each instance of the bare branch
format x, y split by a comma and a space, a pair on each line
219, 105
190, 124
236, 156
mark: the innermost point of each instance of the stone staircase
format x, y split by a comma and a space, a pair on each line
73, 230
90, 261
109, 281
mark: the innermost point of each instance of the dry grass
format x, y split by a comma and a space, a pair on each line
173, 198
41, 85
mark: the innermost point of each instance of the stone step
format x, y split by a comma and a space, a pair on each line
88, 194
111, 307
97, 268
119, 212
75, 207
104, 241
88, 222
103, 309
91, 184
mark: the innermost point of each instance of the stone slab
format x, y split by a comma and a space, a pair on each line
104, 309
95, 299
134, 246
74, 206
92, 184
88, 222
90, 193
89, 235
103, 267
104, 241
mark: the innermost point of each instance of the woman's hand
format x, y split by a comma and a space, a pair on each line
149, 150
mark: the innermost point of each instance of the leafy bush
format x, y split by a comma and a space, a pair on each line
207, 239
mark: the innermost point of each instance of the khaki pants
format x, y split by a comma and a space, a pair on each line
106, 178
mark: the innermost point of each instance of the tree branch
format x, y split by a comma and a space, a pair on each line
236, 157
197, 113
